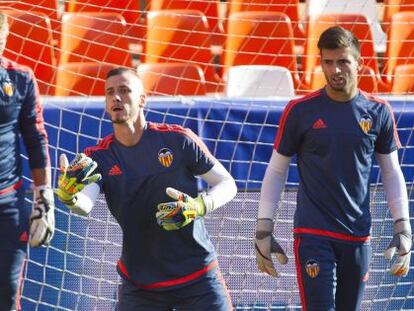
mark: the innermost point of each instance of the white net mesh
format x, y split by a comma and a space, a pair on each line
78, 270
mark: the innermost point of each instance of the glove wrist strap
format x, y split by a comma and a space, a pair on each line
207, 202
71, 202
37, 189
264, 225
402, 225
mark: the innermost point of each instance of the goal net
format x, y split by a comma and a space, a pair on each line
226, 70
77, 271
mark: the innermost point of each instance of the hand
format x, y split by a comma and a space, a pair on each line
401, 242
74, 177
179, 213
265, 245
42, 220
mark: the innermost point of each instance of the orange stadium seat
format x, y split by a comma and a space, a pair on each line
172, 79
47, 7
30, 43
261, 38
289, 7
400, 45
367, 79
394, 6
79, 79
129, 9
356, 23
208, 7
94, 37
403, 82
181, 36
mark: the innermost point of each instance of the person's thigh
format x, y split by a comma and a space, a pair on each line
131, 298
209, 294
352, 275
315, 268
14, 226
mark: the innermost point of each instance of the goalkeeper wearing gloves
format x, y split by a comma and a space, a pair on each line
148, 173
335, 133
20, 223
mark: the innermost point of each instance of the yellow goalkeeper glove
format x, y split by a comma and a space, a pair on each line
179, 213
74, 177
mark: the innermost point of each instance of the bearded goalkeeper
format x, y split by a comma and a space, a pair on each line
149, 180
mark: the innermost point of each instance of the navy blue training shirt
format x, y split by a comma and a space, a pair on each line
335, 143
20, 114
134, 180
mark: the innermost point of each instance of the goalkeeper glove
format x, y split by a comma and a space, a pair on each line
265, 245
402, 242
177, 214
74, 177
42, 219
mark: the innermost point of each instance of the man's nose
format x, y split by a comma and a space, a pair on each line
116, 98
337, 69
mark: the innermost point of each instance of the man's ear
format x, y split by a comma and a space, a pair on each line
142, 100
360, 63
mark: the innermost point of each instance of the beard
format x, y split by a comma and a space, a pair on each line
336, 87
339, 84
118, 120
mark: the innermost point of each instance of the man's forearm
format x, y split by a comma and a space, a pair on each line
41, 176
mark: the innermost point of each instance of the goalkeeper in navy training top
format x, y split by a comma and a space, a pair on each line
20, 114
148, 172
335, 133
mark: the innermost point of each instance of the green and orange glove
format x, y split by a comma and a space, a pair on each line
179, 213
74, 177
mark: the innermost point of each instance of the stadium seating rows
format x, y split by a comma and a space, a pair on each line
179, 41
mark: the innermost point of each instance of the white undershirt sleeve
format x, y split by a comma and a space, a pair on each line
273, 184
85, 199
223, 187
394, 185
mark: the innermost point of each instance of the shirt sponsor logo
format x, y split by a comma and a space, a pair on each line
165, 156
312, 268
319, 124
115, 170
7, 87
365, 123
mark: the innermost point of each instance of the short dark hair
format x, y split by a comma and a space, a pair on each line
338, 37
120, 70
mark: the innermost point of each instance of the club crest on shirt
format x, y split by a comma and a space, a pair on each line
7, 88
312, 268
165, 156
365, 123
